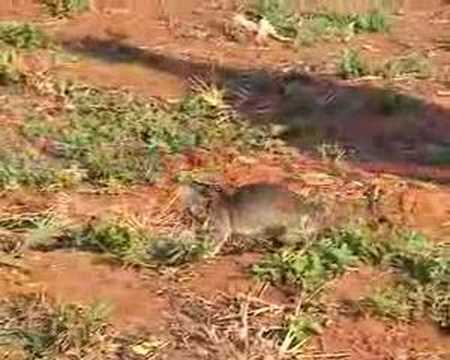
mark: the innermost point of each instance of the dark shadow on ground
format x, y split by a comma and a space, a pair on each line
386, 130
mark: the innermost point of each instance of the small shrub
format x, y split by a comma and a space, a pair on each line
351, 65
392, 103
330, 26
22, 170
299, 330
44, 330
413, 64
309, 268
279, 14
174, 252
117, 138
392, 304
439, 156
133, 245
9, 71
22, 36
65, 8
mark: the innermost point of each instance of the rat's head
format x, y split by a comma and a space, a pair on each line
197, 198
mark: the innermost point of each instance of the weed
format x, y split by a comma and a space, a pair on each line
47, 331
391, 303
423, 282
23, 36
173, 252
9, 71
319, 262
414, 64
439, 155
298, 330
351, 65
392, 103
333, 153
309, 28
116, 237
33, 230
133, 245
117, 138
329, 26
373, 22
423, 269
65, 8
279, 14
34, 327
23, 170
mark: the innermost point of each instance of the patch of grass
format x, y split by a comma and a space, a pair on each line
117, 138
309, 28
65, 8
392, 103
133, 245
46, 331
280, 15
25, 170
333, 153
33, 230
415, 65
22, 36
175, 252
118, 237
9, 71
390, 303
297, 332
440, 156
35, 327
330, 26
423, 289
422, 269
309, 268
352, 65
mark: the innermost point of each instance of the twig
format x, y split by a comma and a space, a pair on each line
339, 355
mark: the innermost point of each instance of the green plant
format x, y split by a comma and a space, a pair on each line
47, 331
351, 65
298, 330
329, 26
34, 230
392, 103
22, 36
372, 22
391, 303
9, 71
173, 252
65, 8
131, 244
414, 64
322, 260
439, 156
112, 236
279, 14
331, 152
23, 170
118, 138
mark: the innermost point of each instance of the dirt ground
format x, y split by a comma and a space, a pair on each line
156, 50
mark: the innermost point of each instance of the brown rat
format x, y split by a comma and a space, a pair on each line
253, 210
